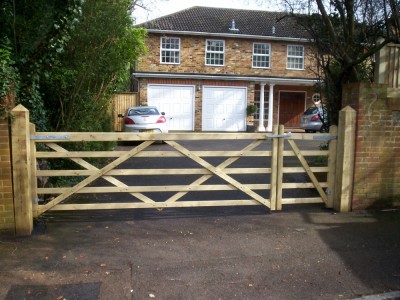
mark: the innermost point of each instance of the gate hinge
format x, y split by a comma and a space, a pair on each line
285, 135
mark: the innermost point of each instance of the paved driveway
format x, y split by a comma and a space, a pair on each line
304, 252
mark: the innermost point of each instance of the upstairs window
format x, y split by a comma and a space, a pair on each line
261, 55
170, 50
215, 50
295, 57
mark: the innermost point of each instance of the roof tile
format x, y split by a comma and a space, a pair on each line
219, 21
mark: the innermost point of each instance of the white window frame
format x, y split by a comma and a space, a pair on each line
266, 55
294, 61
214, 52
316, 97
164, 51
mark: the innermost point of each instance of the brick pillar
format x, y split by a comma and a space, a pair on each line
377, 149
7, 221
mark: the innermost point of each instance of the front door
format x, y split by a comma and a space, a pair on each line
291, 108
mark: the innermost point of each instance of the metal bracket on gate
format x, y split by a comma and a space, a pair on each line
50, 137
285, 135
324, 137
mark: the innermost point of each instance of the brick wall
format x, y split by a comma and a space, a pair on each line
238, 58
377, 155
7, 225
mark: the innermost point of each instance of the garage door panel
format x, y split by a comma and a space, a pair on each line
177, 102
224, 109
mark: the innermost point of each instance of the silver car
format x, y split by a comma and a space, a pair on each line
144, 119
311, 121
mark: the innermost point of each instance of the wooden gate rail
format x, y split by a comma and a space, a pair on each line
284, 147
208, 170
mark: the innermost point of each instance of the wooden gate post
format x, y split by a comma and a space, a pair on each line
345, 160
333, 131
21, 165
279, 181
274, 168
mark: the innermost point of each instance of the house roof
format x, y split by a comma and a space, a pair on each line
218, 21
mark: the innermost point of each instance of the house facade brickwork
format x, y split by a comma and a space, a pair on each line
213, 62
238, 57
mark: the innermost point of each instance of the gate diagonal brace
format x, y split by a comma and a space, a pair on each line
219, 172
93, 177
83, 163
222, 166
307, 168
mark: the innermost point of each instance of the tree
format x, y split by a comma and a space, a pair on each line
345, 36
34, 32
69, 55
95, 62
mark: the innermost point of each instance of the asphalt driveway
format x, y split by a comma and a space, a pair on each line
304, 252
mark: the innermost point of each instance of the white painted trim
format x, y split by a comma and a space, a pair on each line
161, 50
269, 56
292, 56
268, 80
230, 35
215, 52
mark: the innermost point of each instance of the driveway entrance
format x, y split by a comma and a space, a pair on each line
224, 169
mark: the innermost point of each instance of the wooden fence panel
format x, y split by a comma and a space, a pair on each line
121, 102
387, 69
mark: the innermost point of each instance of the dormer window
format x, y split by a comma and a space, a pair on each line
215, 52
170, 50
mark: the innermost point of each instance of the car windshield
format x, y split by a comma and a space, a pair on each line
143, 111
311, 111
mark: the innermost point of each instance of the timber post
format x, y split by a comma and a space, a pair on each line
345, 160
22, 162
333, 130
279, 176
274, 168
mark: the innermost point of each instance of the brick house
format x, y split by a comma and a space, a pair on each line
205, 65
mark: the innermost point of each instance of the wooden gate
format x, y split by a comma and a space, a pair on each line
213, 169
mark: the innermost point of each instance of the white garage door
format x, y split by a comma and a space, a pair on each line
224, 108
177, 103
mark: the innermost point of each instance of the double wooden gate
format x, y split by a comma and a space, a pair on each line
186, 170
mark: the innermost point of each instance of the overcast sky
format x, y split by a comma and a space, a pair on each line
165, 7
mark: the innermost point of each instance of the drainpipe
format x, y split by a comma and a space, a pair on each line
261, 112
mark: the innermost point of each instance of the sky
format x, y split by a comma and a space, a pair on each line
165, 7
